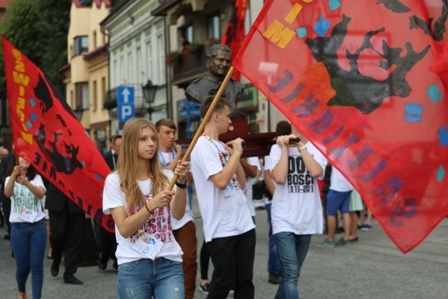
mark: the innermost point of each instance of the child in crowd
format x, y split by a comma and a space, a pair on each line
149, 258
296, 205
28, 233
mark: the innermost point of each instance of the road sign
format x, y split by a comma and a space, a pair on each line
125, 103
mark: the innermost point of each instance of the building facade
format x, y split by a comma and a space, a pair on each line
202, 23
86, 74
137, 43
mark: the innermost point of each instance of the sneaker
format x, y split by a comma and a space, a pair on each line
204, 288
366, 227
343, 242
232, 293
327, 243
274, 278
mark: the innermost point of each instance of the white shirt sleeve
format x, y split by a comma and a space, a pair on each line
112, 195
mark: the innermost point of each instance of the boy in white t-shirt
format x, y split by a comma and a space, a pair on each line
220, 180
296, 205
184, 230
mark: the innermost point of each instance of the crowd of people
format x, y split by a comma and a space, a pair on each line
149, 196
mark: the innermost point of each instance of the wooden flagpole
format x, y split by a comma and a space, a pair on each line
204, 122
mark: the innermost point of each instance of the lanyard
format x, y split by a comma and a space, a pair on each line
222, 155
162, 158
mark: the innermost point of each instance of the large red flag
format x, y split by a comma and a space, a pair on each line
353, 77
47, 133
234, 32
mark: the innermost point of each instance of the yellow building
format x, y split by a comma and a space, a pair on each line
86, 75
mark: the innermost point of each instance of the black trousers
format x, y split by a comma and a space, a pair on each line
204, 258
6, 207
108, 244
233, 262
66, 235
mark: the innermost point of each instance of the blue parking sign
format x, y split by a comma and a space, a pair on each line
125, 103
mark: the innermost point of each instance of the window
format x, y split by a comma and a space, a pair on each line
81, 45
94, 39
82, 95
247, 21
103, 90
149, 62
130, 67
138, 58
162, 70
187, 32
95, 96
122, 71
114, 73
214, 26
85, 3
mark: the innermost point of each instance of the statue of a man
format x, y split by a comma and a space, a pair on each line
218, 60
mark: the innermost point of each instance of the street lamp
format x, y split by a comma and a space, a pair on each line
149, 93
78, 113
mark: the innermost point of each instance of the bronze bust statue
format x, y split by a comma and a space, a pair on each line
218, 61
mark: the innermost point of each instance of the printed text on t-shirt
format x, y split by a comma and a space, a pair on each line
299, 179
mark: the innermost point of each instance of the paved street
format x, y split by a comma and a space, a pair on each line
371, 268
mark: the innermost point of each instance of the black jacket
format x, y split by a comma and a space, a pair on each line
56, 200
110, 158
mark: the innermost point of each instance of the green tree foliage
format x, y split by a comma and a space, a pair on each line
38, 28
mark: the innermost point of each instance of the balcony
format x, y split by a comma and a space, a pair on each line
173, 9
189, 66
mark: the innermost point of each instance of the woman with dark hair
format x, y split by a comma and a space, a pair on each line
28, 233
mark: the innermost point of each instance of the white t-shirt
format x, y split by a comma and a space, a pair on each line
338, 182
249, 182
156, 232
25, 207
224, 212
296, 204
166, 159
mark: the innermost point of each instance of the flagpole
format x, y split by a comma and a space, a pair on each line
204, 122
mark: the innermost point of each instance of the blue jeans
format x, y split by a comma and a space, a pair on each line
273, 259
145, 278
292, 250
28, 242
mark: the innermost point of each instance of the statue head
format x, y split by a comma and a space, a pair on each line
218, 60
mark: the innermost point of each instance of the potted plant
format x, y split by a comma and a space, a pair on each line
196, 48
171, 57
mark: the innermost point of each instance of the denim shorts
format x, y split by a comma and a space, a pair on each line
338, 201
145, 278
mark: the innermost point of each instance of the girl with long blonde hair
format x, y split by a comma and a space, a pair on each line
137, 196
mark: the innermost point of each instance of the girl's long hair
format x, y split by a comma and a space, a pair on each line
127, 164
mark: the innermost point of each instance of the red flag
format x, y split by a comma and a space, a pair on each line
47, 133
353, 77
234, 32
